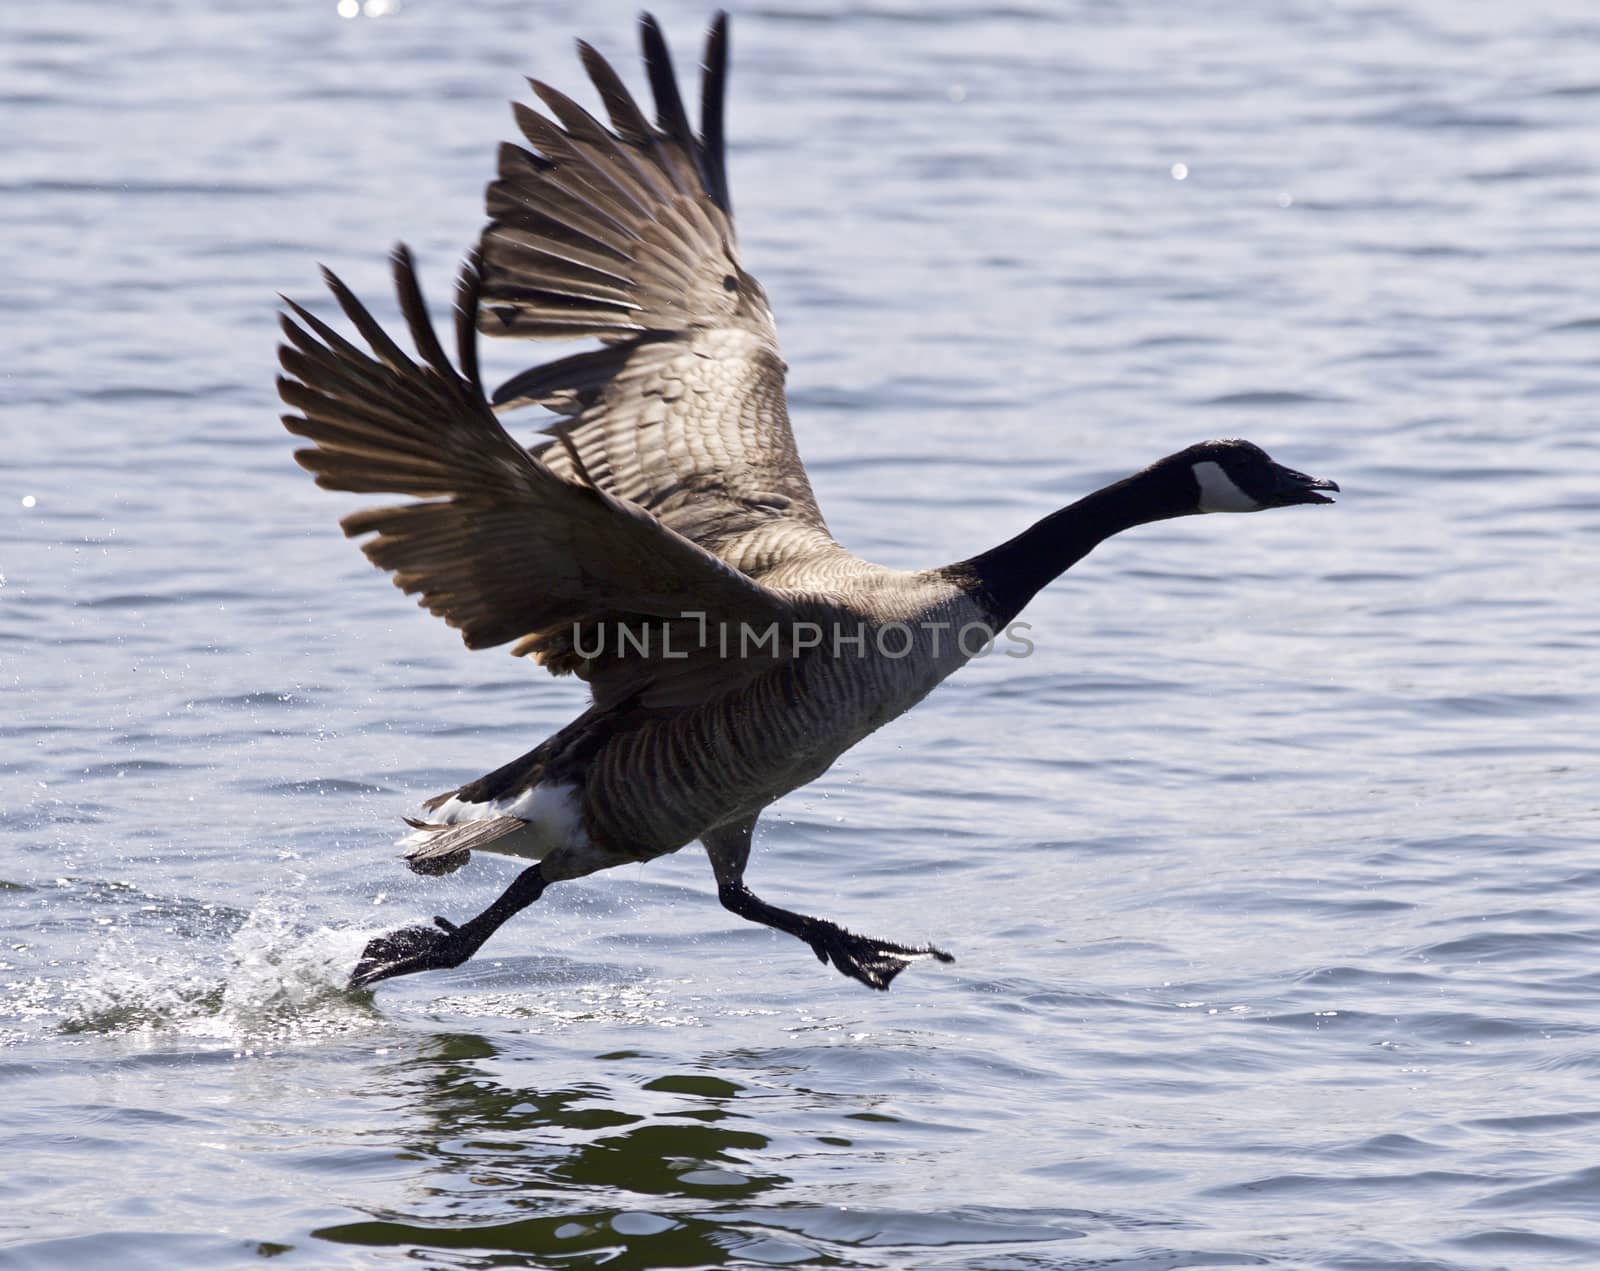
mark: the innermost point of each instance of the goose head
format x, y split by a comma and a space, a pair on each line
1239, 476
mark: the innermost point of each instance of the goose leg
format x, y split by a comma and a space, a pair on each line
444, 944
874, 963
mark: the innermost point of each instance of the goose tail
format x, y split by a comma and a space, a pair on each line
434, 849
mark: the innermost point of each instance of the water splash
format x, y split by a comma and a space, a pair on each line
279, 979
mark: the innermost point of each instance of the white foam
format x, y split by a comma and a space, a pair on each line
277, 980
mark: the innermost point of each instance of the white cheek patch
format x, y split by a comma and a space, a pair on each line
1218, 493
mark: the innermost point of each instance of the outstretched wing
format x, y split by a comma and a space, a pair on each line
626, 234
504, 548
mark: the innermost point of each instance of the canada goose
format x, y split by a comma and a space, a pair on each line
668, 509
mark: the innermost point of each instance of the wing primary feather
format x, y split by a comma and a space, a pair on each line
670, 114
349, 359
469, 289
341, 346
600, 149
376, 337
415, 311
713, 93
587, 142
545, 137
624, 112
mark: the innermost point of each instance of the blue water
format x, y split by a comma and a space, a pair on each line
1271, 874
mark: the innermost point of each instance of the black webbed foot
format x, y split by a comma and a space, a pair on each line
874, 963
411, 949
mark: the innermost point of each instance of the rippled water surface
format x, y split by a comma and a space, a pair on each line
1272, 875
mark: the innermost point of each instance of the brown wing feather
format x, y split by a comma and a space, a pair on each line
625, 233
505, 548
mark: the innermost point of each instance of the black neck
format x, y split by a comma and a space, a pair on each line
1009, 576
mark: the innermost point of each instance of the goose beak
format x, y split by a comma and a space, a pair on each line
1296, 487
